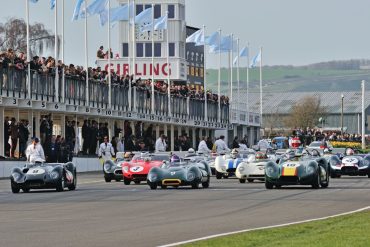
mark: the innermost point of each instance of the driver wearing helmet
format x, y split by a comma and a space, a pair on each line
350, 151
175, 159
191, 152
290, 154
127, 156
260, 156
234, 153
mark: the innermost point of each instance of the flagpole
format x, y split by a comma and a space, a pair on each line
86, 58
128, 47
28, 50
238, 79
133, 53
248, 79
261, 110
109, 61
219, 75
205, 77
168, 70
62, 48
56, 83
231, 65
153, 59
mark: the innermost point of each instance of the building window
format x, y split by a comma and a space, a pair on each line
157, 49
171, 11
157, 11
148, 49
181, 12
139, 8
147, 6
171, 49
124, 49
139, 49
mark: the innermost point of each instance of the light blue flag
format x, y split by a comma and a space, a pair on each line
197, 38
227, 45
255, 60
145, 16
52, 4
34, 1
116, 14
213, 39
244, 52
96, 7
77, 10
159, 24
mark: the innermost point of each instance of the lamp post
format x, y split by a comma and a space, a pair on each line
363, 144
341, 117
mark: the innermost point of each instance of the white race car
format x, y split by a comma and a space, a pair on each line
253, 168
226, 165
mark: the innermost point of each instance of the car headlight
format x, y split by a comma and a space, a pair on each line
107, 167
125, 169
241, 169
54, 175
271, 171
16, 176
310, 169
152, 177
191, 176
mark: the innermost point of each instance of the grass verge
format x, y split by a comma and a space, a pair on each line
350, 230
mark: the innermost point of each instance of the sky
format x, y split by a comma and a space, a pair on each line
291, 32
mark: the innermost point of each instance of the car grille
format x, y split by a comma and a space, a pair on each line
118, 172
171, 182
139, 176
289, 179
36, 182
349, 169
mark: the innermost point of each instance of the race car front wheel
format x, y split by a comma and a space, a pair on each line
60, 184
74, 184
15, 188
153, 186
242, 181
316, 181
126, 181
269, 185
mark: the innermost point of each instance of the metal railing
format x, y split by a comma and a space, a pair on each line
13, 83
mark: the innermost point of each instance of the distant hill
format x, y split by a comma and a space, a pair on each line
336, 76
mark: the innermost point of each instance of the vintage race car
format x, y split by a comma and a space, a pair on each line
188, 172
353, 165
112, 169
44, 176
225, 165
304, 170
137, 169
253, 168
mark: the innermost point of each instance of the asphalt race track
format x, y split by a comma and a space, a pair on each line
112, 214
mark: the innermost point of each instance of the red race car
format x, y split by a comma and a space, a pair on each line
138, 168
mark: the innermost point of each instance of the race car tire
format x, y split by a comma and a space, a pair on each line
163, 187
60, 185
269, 185
325, 183
218, 175
15, 188
226, 176
137, 182
250, 180
316, 181
195, 185
242, 180
205, 184
74, 184
26, 190
117, 179
108, 180
126, 181
368, 175
153, 186
278, 186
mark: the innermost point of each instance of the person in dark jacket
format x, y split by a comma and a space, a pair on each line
235, 143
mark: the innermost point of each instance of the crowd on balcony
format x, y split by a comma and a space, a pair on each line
47, 65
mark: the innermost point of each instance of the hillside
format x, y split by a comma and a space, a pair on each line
330, 76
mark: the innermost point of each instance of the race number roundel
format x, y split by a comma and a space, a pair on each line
136, 169
36, 171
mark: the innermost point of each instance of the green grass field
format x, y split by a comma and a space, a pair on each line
292, 79
350, 230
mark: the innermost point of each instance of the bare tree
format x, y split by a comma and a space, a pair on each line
13, 34
305, 113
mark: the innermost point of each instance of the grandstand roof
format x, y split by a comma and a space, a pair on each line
282, 102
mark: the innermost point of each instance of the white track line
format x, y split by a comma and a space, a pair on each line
263, 228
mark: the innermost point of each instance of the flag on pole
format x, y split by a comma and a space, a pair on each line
52, 4
145, 16
116, 14
77, 10
236, 60
97, 7
244, 52
213, 39
255, 60
197, 38
159, 24
227, 44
